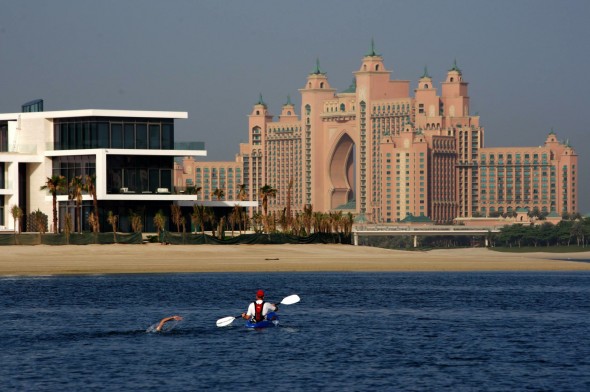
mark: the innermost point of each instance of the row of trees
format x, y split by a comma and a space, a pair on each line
75, 188
301, 223
565, 233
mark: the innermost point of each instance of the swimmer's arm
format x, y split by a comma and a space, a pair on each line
165, 320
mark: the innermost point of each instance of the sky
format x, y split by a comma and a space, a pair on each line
526, 61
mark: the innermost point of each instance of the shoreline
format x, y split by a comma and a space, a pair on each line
43, 260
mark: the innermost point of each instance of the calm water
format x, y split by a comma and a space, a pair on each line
351, 331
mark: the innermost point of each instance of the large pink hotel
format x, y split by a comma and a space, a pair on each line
383, 153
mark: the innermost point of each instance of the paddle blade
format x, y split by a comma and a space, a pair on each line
224, 322
290, 300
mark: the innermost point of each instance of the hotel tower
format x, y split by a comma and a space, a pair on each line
386, 153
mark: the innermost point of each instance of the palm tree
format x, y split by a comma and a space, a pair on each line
200, 216
17, 214
39, 219
218, 193
213, 222
257, 222
90, 187
221, 228
242, 195
93, 222
176, 216
67, 226
245, 220
266, 192
307, 218
348, 221
54, 185
236, 218
159, 221
335, 221
193, 190
288, 210
76, 188
112, 219
136, 222
183, 224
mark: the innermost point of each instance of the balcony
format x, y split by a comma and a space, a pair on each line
29, 149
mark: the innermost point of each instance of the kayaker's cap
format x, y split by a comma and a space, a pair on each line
260, 293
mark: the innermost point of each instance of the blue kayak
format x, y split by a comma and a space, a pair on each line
271, 320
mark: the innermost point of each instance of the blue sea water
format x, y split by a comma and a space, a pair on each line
350, 332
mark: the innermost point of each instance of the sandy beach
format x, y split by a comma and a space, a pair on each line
156, 258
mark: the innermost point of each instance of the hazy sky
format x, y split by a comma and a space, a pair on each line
526, 61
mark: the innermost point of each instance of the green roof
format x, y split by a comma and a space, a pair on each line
352, 87
288, 101
317, 70
372, 52
351, 205
260, 101
455, 68
416, 219
360, 218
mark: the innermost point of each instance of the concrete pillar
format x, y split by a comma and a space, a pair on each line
355, 238
415, 241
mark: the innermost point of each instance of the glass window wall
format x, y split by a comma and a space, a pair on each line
138, 174
72, 166
104, 132
129, 136
116, 135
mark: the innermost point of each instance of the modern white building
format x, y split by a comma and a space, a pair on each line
131, 153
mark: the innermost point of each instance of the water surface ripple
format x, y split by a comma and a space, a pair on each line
351, 331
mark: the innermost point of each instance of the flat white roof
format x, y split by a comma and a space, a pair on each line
94, 113
126, 151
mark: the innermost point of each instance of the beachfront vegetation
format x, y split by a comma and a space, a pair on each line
93, 222
17, 214
177, 217
37, 221
159, 221
113, 219
136, 222
68, 226
565, 233
76, 188
90, 187
55, 185
265, 193
568, 235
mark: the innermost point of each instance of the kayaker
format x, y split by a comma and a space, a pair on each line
165, 320
258, 309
